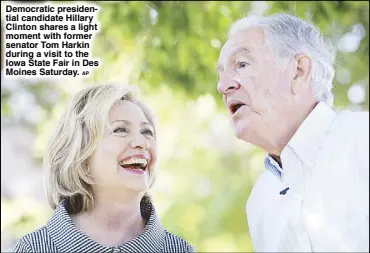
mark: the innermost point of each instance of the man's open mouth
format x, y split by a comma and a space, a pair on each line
134, 164
234, 107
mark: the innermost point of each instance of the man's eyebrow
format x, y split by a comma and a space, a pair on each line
219, 68
236, 51
240, 50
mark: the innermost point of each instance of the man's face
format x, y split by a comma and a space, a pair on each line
256, 90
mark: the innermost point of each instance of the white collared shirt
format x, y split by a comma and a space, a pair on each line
326, 208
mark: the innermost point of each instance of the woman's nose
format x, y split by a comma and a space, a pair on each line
139, 142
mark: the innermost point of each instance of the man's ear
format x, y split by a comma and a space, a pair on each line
302, 71
302, 65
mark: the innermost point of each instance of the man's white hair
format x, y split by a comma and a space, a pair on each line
287, 35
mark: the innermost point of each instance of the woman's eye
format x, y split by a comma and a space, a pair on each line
148, 132
120, 130
243, 64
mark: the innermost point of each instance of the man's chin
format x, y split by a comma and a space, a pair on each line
241, 131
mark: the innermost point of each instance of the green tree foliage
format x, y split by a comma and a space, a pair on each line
170, 50
181, 44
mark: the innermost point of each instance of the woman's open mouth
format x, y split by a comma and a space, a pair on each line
135, 165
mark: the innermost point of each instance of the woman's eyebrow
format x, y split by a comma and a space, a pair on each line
145, 123
126, 122
122, 120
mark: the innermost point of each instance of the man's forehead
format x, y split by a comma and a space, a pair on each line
249, 38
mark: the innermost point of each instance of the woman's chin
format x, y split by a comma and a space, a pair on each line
135, 182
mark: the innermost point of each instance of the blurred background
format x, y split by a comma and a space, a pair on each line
170, 50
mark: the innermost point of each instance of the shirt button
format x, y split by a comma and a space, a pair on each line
115, 250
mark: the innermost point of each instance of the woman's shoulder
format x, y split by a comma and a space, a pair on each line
37, 240
175, 243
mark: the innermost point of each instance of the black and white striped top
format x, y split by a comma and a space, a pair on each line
61, 235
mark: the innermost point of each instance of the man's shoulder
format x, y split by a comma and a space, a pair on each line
355, 129
351, 121
175, 243
350, 127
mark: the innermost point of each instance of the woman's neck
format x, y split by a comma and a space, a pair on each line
112, 221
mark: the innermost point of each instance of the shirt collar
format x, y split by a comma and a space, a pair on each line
68, 238
309, 137
272, 166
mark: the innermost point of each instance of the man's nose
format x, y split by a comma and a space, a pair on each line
227, 84
139, 142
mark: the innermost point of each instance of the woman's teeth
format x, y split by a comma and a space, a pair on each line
134, 162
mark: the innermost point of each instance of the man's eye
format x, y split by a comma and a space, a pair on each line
243, 64
120, 130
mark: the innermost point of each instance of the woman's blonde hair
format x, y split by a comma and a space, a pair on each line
75, 138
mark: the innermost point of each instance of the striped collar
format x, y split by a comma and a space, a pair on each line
68, 238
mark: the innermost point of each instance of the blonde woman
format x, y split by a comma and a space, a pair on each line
99, 163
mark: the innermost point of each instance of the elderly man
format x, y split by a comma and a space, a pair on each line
275, 75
